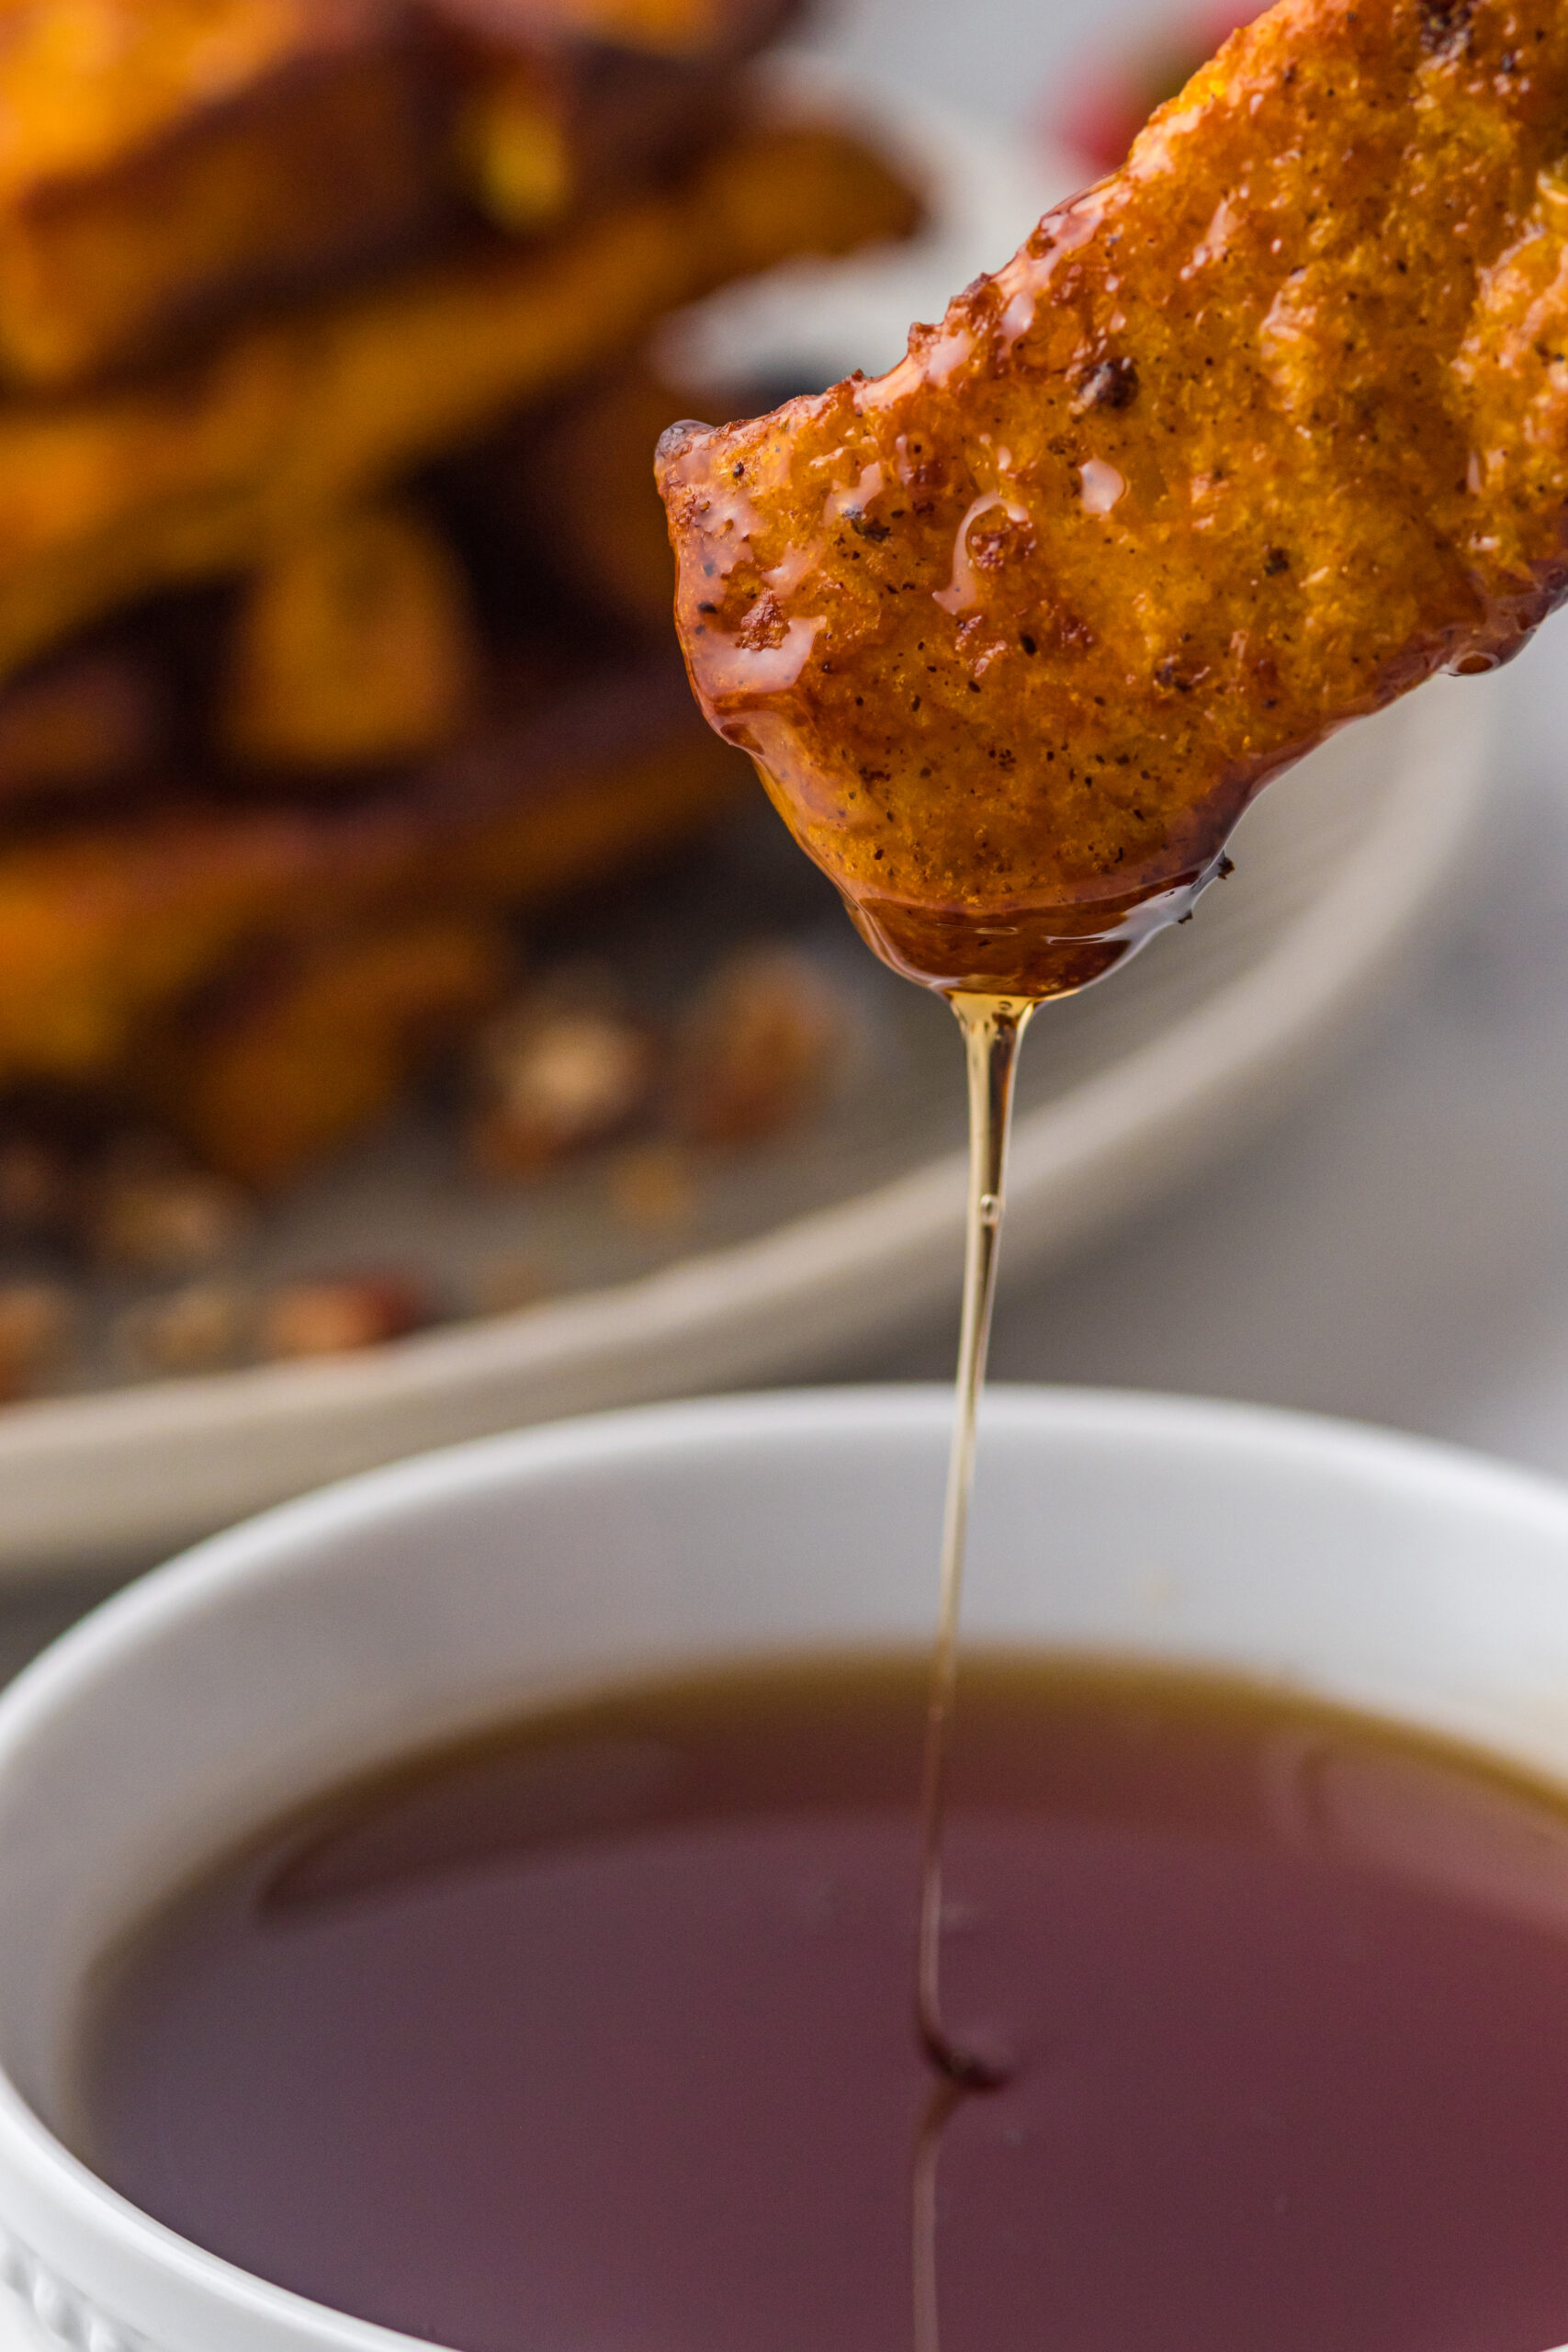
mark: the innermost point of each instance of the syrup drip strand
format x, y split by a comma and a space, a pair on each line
993, 1028
946, 2094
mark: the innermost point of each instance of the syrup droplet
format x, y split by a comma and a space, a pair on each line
962, 593
1102, 486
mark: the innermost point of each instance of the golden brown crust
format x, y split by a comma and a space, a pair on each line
1248, 440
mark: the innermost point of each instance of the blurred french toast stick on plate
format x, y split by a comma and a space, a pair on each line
303, 719
161, 157
357, 646
315, 1042
108, 931
162, 162
211, 467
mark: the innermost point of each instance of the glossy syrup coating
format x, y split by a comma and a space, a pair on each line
1252, 437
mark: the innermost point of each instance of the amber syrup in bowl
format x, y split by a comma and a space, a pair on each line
594, 2033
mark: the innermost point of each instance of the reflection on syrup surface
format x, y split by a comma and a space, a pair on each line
597, 2037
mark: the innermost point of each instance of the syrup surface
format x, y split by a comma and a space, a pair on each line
596, 2037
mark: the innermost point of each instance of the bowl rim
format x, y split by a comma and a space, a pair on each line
277, 2319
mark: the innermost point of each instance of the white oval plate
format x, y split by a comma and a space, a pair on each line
1129, 1088
850, 1229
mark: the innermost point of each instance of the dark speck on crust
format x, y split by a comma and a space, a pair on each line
1445, 26
1113, 383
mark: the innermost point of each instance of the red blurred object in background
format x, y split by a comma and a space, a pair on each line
1111, 101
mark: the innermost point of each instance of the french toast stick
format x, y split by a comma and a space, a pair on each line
1256, 434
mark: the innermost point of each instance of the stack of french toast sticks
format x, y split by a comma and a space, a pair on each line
334, 595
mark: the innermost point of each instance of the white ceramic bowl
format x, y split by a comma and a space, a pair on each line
1392, 1575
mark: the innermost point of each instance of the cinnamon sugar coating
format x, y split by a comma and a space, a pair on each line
1246, 441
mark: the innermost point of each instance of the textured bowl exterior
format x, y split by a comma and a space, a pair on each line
40, 2310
